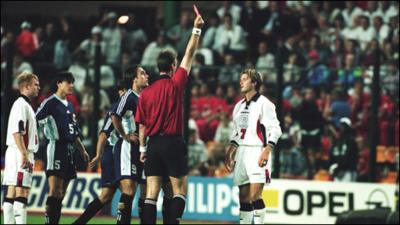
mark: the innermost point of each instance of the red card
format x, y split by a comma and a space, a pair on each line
196, 10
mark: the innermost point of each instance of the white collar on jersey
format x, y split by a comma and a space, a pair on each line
63, 101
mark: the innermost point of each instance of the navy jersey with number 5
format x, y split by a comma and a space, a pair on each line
58, 118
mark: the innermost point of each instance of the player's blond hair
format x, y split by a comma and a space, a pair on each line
25, 78
254, 76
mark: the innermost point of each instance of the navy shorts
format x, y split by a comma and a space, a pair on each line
127, 161
107, 167
60, 160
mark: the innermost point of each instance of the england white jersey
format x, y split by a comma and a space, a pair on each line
255, 122
23, 120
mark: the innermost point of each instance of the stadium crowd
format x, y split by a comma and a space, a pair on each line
327, 49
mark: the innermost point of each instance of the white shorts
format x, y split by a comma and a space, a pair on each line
14, 175
246, 168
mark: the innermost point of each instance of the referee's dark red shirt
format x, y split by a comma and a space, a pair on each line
160, 106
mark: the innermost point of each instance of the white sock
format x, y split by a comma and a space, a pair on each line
246, 217
8, 211
259, 215
20, 212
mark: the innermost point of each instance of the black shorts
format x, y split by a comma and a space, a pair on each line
60, 160
166, 155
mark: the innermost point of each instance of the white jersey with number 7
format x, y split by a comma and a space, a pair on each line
255, 122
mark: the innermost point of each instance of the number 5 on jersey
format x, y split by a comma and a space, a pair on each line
71, 128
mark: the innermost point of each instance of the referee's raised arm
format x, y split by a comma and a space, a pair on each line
192, 45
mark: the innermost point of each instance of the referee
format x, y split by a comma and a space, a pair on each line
160, 116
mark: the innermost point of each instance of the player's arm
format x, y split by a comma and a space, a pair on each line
273, 131
192, 45
143, 143
101, 142
78, 143
19, 141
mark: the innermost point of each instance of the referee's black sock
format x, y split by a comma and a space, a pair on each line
90, 211
140, 210
177, 208
53, 210
166, 209
124, 209
149, 211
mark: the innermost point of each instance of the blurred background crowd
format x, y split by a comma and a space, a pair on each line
327, 49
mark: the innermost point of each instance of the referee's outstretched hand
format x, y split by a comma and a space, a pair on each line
198, 22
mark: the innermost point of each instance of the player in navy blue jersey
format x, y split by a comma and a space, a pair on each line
56, 115
104, 152
128, 168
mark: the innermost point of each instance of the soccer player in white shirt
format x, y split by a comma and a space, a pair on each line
22, 142
256, 132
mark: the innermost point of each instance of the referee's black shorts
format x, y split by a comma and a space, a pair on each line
166, 155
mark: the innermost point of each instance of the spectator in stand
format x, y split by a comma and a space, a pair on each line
311, 123
197, 153
293, 165
349, 73
381, 30
359, 101
318, 74
291, 70
344, 154
368, 58
211, 32
89, 45
134, 39
25, 41
230, 72
329, 12
224, 129
62, 52
350, 13
388, 9
339, 108
365, 32
390, 82
230, 39
19, 65
229, 8
154, 49
180, 33
266, 63
322, 50
112, 37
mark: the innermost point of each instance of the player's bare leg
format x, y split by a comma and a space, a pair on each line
150, 204
246, 206
54, 199
256, 190
128, 189
179, 188
105, 196
8, 205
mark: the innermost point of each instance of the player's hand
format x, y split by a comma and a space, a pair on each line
25, 161
133, 138
94, 162
263, 159
198, 22
230, 158
143, 157
229, 163
85, 156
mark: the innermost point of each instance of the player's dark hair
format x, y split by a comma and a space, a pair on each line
165, 61
130, 74
60, 77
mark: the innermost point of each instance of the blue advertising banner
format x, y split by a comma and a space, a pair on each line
208, 199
